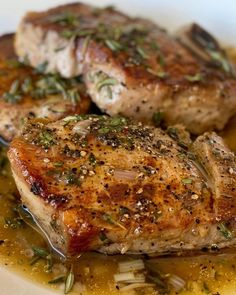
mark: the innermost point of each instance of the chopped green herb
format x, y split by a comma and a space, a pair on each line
40, 252
85, 45
11, 98
13, 95
103, 130
106, 82
110, 220
159, 74
73, 95
14, 63
84, 32
68, 34
113, 45
157, 118
187, 180
72, 178
46, 139
118, 121
219, 57
27, 85
161, 59
58, 164
225, 231
57, 280
195, 78
206, 288
65, 19
41, 68
69, 282
92, 159
104, 238
142, 52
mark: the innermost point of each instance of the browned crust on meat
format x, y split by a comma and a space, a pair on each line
6, 47
13, 114
168, 197
179, 61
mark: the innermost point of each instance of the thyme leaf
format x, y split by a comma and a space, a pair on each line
113, 45
108, 218
195, 78
69, 282
142, 52
46, 139
225, 231
41, 68
187, 180
65, 19
157, 118
56, 280
106, 82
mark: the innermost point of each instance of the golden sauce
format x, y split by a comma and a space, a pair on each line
94, 272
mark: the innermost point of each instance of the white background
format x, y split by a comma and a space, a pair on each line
219, 17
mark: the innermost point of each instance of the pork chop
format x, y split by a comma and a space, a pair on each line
114, 186
27, 93
7, 50
131, 66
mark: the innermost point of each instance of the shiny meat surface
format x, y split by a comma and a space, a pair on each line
131, 66
111, 185
27, 93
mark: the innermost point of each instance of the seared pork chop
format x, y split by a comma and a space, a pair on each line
131, 66
7, 50
111, 185
26, 93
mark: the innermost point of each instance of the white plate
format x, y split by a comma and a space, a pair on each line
217, 16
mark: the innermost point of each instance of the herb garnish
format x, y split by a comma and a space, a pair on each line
113, 45
106, 82
109, 219
69, 282
41, 68
13, 95
41, 253
195, 78
40, 87
56, 280
206, 288
225, 231
157, 118
159, 74
221, 59
142, 52
46, 139
187, 180
65, 19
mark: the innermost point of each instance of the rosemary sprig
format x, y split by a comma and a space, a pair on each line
157, 118
65, 19
195, 78
108, 218
69, 282
106, 82
113, 45
225, 231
